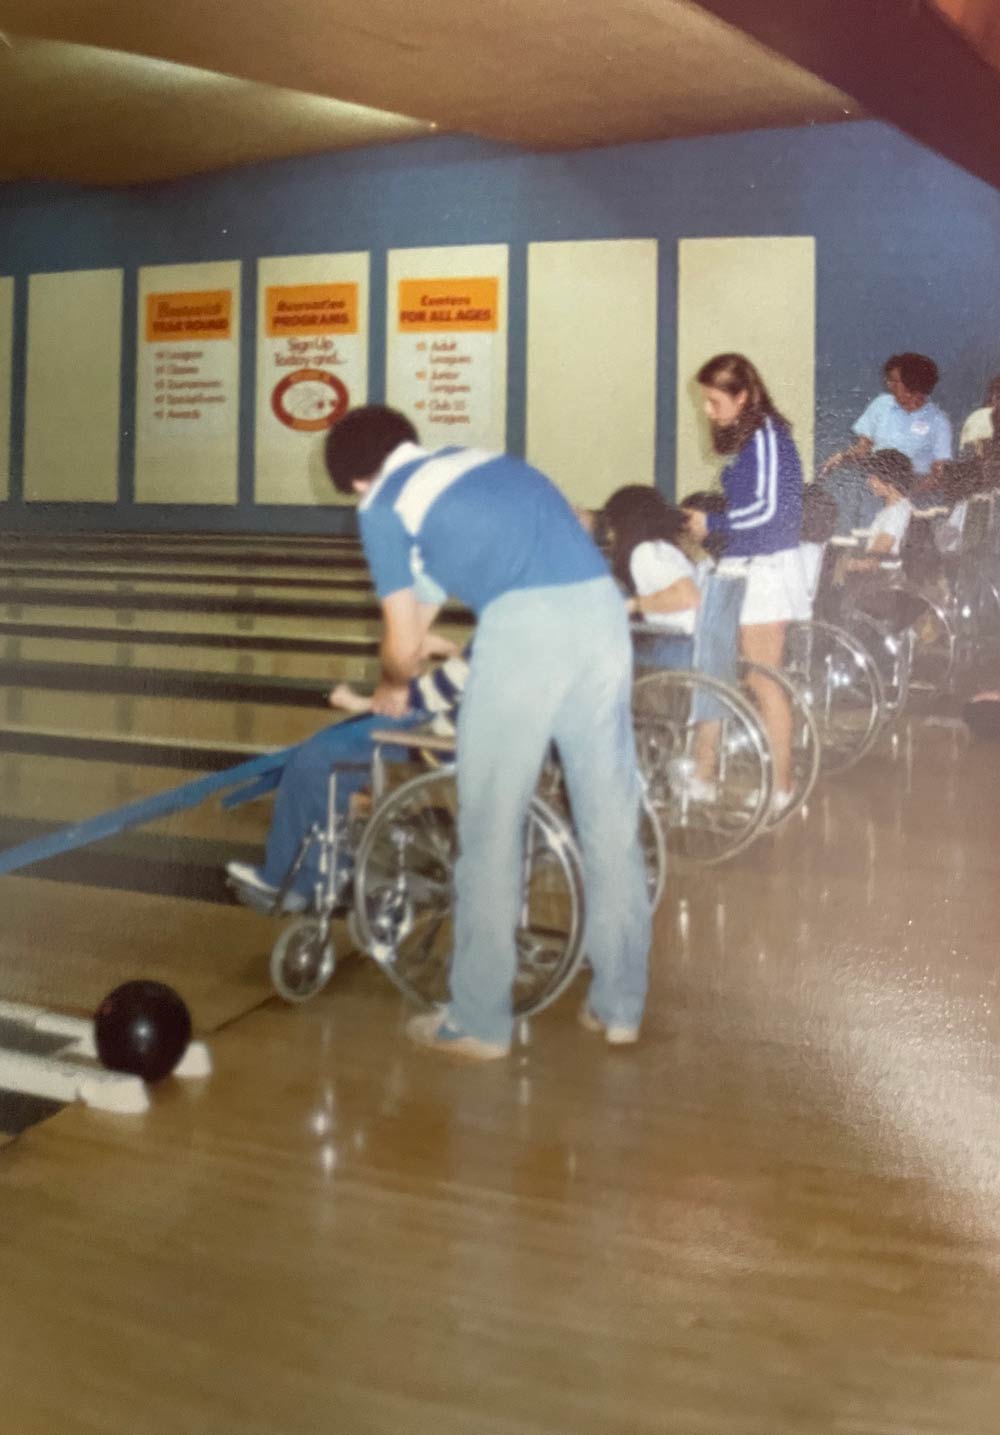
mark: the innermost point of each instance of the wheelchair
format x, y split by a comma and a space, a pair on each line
838, 677
906, 630
972, 580
391, 876
672, 707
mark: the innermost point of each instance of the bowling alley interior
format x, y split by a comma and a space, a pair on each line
236, 1194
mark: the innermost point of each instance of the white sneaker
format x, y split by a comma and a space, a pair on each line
699, 790
780, 803
615, 1034
260, 893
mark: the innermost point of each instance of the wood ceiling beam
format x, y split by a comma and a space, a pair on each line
898, 58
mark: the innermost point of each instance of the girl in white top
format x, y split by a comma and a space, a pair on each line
889, 474
643, 534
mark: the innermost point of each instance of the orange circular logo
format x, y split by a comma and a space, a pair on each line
309, 400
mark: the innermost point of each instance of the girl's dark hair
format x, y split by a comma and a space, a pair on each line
637, 514
993, 392
819, 514
707, 501
891, 467
734, 374
917, 372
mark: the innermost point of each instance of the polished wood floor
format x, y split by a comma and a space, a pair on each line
779, 1215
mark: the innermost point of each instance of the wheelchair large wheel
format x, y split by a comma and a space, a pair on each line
552, 789
403, 895
932, 651
840, 681
654, 850
890, 652
975, 610
922, 624
669, 706
806, 748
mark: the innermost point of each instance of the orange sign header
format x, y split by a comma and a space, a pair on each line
205, 314
301, 310
448, 305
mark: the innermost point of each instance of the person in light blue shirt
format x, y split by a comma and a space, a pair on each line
552, 663
903, 419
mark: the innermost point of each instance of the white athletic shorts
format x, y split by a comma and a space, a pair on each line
777, 589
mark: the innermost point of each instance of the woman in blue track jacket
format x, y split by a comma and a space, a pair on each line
761, 525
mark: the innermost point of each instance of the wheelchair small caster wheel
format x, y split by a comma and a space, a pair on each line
302, 960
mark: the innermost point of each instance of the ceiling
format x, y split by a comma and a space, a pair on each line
132, 91
979, 22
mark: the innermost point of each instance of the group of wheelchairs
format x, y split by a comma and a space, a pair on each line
882, 643
389, 872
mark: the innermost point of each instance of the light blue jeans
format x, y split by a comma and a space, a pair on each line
550, 665
302, 796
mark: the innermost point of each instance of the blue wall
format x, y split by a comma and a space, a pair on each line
908, 257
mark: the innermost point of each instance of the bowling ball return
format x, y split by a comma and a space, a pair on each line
71, 1072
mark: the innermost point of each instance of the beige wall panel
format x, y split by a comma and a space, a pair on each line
73, 386
446, 361
6, 351
755, 296
312, 358
187, 384
591, 364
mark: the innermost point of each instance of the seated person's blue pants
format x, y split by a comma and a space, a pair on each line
550, 665
714, 650
302, 794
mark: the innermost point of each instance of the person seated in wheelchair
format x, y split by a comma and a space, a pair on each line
686, 617
346, 747
643, 535
819, 524
869, 580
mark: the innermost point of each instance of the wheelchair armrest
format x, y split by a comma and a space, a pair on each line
414, 737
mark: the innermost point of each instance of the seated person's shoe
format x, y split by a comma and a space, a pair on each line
434, 1030
781, 802
252, 888
616, 1033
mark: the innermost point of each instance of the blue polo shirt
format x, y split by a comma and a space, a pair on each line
479, 525
924, 436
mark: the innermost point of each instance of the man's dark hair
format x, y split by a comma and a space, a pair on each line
358, 445
892, 467
917, 372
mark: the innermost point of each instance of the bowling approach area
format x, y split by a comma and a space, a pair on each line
776, 1214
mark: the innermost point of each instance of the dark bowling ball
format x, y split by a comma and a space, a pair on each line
982, 716
143, 1028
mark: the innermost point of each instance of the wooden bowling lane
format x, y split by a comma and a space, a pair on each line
151, 576
163, 718
351, 657
66, 945
61, 790
776, 1216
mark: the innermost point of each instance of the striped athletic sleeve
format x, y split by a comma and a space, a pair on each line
439, 692
753, 509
